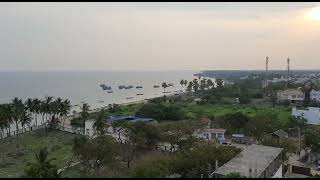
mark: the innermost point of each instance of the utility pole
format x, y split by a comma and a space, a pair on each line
266, 76
299, 131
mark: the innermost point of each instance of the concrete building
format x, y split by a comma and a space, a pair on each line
254, 161
311, 114
315, 95
211, 134
292, 95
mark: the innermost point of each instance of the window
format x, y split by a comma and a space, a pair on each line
206, 135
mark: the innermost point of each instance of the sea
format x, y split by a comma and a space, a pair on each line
84, 86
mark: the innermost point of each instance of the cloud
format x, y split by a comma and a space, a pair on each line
154, 35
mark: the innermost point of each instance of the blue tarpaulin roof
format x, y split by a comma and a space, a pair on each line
130, 118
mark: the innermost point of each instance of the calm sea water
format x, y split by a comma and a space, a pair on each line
79, 86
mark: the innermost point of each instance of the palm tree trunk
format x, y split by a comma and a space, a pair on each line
36, 118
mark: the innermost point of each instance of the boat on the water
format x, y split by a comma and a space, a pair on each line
170, 85
139, 94
100, 101
129, 97
121, 87
156, 86
139, 87
110, 91
129, 87
105, 87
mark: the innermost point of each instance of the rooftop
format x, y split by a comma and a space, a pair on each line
281, 133
212, 130
254, 157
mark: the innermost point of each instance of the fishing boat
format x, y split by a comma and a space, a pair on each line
139, 94
129, 97
139, 87
170, 85
156, 86
110, 91
100, 101
121, 87
105, 87
129, 87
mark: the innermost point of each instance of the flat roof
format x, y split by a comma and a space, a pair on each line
254, 157
212, 130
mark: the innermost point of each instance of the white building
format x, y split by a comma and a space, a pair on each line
91, 132
312, 114
315, 95
211, 134
292, 95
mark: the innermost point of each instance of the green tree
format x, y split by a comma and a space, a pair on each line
100, 123
85, 111
219, 83
42, 168
190, 86
164, 85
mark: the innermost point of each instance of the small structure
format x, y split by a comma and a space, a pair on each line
211, 134
280, 134
292, 95
311, 114
315, 95
254, 161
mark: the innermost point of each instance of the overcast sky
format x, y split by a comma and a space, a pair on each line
157, 36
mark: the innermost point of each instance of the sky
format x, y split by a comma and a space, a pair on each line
157, 36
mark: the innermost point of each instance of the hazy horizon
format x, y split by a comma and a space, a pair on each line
158, 36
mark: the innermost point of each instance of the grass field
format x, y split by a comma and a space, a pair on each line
12, 164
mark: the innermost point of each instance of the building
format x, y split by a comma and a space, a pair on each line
254, 161
311, 114
292, 95
211, 134
315, 95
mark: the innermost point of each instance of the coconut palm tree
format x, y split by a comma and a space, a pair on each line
18, 109
210, 83
65, 110
42, 168
36, 108
195, 85
47, 106
164, 85
190, 86
25, 119
182, 83
5, 117
100, 123
85, 111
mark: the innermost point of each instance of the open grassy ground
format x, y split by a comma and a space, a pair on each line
282, 113
59, 145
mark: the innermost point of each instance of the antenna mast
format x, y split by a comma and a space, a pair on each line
288, 70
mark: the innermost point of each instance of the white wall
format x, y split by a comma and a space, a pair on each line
278, 174
312, 115
315, 95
